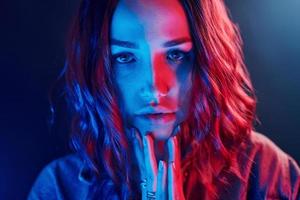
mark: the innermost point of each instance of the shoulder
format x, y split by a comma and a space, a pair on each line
60, 179
266, 152
262, 146
271, 169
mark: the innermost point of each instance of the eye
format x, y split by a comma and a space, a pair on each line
123, 58
176, 55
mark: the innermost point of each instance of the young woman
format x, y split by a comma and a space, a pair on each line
163, 108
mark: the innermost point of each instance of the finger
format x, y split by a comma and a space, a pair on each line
161, 180
177, 170
150, 163
176, 130
173, 150
175, 189
171, 181
139, 155
138, 151
174, 170
173, 146
143, 186
171, 173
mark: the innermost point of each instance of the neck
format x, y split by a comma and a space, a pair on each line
159, 147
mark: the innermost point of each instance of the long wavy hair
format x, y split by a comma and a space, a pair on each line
223, 103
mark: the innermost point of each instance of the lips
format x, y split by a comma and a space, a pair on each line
162, 117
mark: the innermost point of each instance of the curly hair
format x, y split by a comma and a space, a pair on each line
221, 113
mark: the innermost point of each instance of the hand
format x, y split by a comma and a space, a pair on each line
165, 180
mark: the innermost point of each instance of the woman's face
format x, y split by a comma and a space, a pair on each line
152, 58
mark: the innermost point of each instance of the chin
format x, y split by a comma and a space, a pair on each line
162, 133
161, 136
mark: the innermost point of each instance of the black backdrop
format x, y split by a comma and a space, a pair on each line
32, 38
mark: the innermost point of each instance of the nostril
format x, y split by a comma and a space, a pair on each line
154, 103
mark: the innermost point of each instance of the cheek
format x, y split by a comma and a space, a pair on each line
126, 94
185, 87
184, 77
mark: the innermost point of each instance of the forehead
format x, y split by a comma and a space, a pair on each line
150, 20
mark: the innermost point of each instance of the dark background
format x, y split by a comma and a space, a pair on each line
32, 38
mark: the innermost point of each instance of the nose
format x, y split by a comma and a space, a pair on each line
160, 79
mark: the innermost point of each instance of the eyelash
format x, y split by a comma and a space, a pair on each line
131, 58
119, 56
182, 55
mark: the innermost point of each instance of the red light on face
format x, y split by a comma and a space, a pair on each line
163, 75
161, 117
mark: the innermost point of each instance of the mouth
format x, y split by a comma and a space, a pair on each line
160, 117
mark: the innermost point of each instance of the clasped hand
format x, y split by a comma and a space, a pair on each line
162, 180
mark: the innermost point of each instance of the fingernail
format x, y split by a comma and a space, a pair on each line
176, 130
178, 127
160, 165
173, 165
144, 141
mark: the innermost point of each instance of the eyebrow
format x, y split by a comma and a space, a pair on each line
133, 45
177, 41
126, 44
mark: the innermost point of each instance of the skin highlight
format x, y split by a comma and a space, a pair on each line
152, 62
